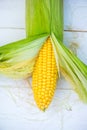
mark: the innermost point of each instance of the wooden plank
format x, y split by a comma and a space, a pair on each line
75, 15
11, 35
12, 13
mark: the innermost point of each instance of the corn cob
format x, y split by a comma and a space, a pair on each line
44, 76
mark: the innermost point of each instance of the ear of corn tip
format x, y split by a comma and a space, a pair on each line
44, 76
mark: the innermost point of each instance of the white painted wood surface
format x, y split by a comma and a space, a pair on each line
75, 15
17, 106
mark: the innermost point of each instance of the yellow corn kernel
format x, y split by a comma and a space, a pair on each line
44, 76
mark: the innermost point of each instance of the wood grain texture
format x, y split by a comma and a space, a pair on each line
75, 15
12, 13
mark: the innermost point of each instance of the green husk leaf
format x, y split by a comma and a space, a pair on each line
38, 14
72, 68
18, 58
57, 18
44, 16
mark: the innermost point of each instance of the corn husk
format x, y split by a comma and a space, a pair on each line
74, 70
44, 16
18, 58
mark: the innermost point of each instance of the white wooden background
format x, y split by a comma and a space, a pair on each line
17, 106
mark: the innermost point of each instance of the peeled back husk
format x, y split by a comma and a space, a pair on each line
72, 68
17, 59
44, 16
